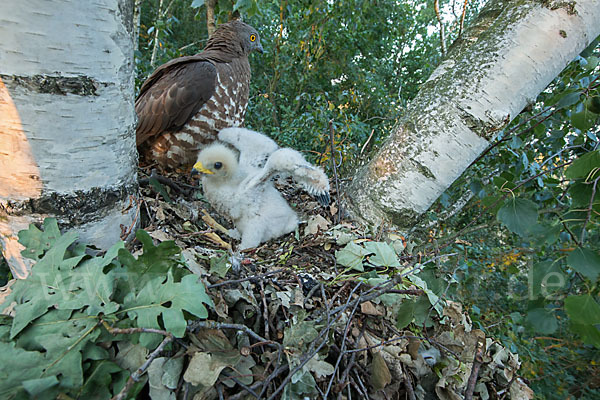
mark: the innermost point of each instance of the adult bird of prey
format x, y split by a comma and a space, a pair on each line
237, 182
184, 104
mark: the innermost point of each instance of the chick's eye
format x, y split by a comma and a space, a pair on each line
252, 38
218, 165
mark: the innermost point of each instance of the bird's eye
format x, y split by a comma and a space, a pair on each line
218, 165
252, 38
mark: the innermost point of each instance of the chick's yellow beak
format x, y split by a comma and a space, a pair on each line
198, 168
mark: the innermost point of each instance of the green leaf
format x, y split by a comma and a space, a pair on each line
352, 256
168, 299
219, 265
383, 254
586, 262
582, 166
243, 369
569, 100
583, 309
546, 278
406, 313
592, 62
99, 380
48, 284
35, 387
154, 259
583, 120
56, 282
299, 335
589, 334
242, 5
62, 336
36, 241
542, 320
581, 194
302, 386
518, 215
160, 189
24, 366
542, 233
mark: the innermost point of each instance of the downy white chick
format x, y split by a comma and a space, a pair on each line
240, 187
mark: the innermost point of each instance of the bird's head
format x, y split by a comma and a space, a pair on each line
236, 33
216, 161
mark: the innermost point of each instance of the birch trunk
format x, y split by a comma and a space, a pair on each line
510, 54
67, 122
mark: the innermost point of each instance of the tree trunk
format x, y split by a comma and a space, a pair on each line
210, 16
510, 54
67, 122
137, 17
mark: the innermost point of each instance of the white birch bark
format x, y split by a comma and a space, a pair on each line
67, 121
510, 54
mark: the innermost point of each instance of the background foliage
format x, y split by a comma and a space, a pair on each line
353, 62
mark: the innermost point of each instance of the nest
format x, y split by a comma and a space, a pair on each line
295, 323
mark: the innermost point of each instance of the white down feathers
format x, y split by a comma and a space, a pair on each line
240, 186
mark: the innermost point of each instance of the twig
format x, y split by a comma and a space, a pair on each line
363, 389
364, 146
335, 175
195, 325
265, 309
462, 19
345, 375
589, 210
250, 278
169, 182
343, 346
126, 232
436, 7
135, 377
508, 134
130, 331
410, 391
243, 394
477, 361
242, 385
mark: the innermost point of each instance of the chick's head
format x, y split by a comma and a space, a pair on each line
217, 161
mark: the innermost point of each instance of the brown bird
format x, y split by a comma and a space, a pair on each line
184, 104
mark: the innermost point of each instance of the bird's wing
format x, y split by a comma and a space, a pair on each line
290, 162
172, 95
254, 147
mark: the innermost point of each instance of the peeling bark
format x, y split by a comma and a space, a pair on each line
500, 64
67, 122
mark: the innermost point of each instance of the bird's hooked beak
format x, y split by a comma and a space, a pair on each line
198, 168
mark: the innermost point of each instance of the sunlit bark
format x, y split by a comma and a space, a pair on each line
67, 123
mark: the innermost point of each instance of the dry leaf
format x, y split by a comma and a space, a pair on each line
369, 309
316, 223
160, 235
380, 374
333, 209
